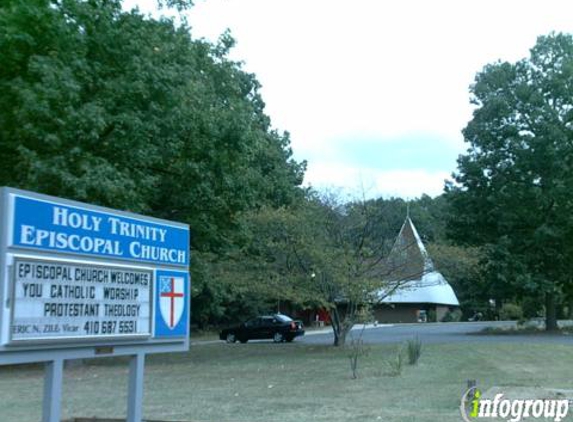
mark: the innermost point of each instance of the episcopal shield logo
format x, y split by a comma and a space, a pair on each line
171, 299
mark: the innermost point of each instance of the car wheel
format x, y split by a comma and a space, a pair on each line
289, 339
278, 337
231, 338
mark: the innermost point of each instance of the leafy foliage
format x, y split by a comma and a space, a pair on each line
121, 110
322, 253
514, 182
511, 312
462, 267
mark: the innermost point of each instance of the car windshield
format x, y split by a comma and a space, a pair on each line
283, 318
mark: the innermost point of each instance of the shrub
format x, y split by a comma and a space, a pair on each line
510, 312
453, 316
396, 363
414, 348
355, 351
432, 317
532, 307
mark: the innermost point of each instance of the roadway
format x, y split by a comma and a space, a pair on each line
431, 333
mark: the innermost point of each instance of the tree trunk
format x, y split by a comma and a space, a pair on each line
341, 326
550, 312
336, 326
342, 337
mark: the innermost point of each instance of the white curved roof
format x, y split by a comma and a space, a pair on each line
431, 288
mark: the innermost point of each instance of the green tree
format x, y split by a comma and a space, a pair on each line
121, 110
461, 267
429, 215
512, 190
321, 253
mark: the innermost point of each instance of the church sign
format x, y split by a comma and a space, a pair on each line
80, 281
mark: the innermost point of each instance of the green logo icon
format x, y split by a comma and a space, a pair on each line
475, 403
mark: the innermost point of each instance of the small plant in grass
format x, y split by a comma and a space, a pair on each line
396, 363
414, 348
356, 350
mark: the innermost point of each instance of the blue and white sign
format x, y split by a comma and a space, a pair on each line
82, 281
171, 303
76, 277
58, 227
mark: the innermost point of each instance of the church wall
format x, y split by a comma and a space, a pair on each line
398, 313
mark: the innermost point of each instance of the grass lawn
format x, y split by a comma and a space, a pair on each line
265, 382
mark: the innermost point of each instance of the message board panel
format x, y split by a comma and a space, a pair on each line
64, 301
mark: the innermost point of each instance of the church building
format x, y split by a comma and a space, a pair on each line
415, 289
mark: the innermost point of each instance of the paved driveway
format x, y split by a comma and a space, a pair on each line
438, 333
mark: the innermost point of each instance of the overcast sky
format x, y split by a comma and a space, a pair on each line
374, 92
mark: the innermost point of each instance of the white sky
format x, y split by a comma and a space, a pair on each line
374, 92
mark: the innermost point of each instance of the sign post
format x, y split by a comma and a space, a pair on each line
81, 281
135, 392
53, 390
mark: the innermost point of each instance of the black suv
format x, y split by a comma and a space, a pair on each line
277, 327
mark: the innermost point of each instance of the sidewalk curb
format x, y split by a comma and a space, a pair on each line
325, 330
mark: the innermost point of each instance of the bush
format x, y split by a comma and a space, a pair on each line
432, 317
453, 316
510, 312
414, 348
532, 307
396, 363
355, 351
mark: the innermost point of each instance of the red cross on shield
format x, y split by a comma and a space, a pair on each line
172, 299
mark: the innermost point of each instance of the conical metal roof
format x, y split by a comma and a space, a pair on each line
411, 274
408, 259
